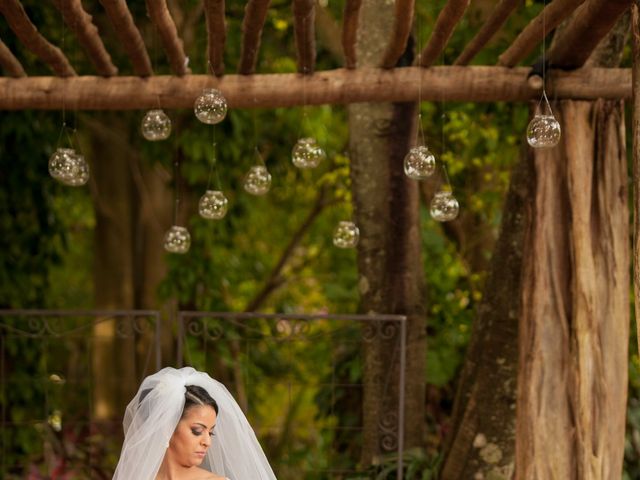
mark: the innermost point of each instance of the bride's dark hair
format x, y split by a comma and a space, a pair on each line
195, 395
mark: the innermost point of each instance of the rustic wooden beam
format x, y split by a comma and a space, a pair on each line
635, 31
550, 17
592, 21
401, 32
349, 29
10, 64
442, 31
81, 23
173, 46
28, 34
129, 35
342, 86
255, 14
495, 21
304, 14
216, 34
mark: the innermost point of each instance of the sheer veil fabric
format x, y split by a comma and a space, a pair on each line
153, 414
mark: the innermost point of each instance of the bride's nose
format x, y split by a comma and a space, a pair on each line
206, 440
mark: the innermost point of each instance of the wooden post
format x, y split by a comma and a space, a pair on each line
635, 28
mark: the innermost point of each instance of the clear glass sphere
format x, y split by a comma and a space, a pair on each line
543, 131
419, 163
80, 172
346, 235
62, 163
156, 125
258, 180
444, 206
177, 240
211, 106
307, 153
213, 205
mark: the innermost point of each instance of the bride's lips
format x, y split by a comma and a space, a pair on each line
201, 454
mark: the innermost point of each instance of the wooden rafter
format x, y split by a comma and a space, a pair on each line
28, 34
216, 34
495, 21
80, 23
482, 84
304, 12
445, 24
10, 63
349, 30
550, 17
592, 21
129, 35
401, 32
255, 14
161, 18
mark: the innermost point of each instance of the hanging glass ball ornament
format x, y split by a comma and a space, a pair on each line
346, 235
419, 163
156, 125
177, 240
211, 106
307, 153
62, 163
213, 205
258, 180
80, 172
543, 131
444, 206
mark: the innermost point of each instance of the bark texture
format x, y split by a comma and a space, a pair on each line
389, 264
574, 325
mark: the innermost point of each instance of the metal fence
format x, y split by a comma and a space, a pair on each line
299, 378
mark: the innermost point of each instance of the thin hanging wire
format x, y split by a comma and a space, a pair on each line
176, 180
420, 130
214, 164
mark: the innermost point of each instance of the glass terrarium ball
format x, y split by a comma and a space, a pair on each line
258, 180
62, 163
156, 125
346, 235
211, 106
80, 172
444, 206
307, 153
543, 131
419, 163
213, 205
177, 240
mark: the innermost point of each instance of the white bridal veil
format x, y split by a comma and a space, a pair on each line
153, 414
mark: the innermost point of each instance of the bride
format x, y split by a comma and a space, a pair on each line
183, 425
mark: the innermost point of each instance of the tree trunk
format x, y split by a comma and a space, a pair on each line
564, 227
389, 263
483, 423
574, 324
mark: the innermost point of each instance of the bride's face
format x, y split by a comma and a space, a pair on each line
192, 437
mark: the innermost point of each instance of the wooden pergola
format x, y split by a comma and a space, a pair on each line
506, 81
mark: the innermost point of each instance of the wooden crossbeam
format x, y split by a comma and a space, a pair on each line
342, 86
28, 34
304, 14
216, 34
10, 64
161, 18
495, 21
255, 14
349, 31
129, 35
550, 17
442, 31
81, 23
591, 22
401, 30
